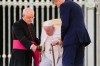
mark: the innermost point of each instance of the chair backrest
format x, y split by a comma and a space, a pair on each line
56, 22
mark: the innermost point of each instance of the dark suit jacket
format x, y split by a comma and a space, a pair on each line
20, 31
73, 29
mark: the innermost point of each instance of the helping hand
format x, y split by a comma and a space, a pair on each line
34, 48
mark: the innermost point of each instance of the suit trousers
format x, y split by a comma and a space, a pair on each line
73, 55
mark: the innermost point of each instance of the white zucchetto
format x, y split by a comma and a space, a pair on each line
47, 23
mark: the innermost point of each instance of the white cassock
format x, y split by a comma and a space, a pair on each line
47, 57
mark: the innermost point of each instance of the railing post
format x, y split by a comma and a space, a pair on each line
98, 33
90, 21
4, 37
9, 33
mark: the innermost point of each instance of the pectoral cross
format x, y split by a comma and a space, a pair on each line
50, 50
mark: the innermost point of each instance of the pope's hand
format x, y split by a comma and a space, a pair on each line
54, 42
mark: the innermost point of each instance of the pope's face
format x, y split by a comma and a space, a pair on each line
49, 30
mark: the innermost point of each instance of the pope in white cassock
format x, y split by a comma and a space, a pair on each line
51, 37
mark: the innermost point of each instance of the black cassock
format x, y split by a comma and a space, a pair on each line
25, 34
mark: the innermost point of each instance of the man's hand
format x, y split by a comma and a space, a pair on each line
34, 48
60, 42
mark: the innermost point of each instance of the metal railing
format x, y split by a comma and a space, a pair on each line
44, 10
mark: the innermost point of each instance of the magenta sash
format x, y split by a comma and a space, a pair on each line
18, 45
36, 54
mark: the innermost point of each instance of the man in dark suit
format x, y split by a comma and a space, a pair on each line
24, 41
73, 32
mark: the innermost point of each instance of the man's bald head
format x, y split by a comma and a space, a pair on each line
28, 15
53, 1
57, 2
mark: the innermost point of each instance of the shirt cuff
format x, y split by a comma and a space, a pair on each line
31, 46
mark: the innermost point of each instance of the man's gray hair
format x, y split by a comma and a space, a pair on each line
26, 10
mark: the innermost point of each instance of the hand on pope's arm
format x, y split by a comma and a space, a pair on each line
60, 42
39, 48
